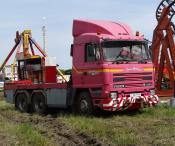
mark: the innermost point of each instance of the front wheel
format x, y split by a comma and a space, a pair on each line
38, 103
84, 104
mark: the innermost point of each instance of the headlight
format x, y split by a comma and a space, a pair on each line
152, 92
113, 95
119, 86
148, 84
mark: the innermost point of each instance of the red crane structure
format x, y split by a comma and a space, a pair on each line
163, 46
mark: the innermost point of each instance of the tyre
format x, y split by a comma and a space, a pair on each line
21, 103
39, 104
84, 104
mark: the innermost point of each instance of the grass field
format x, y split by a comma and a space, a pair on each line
148, 127
153, 126
12, 133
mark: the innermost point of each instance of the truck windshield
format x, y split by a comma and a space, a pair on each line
125, 51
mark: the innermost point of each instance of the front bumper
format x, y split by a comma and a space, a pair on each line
127, 103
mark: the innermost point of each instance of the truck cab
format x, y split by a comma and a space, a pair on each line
113, 65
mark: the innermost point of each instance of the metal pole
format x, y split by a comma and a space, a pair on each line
172, 100
44, 37
38, 47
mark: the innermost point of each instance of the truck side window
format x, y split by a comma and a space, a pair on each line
92, 53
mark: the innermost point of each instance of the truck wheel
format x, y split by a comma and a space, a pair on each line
38, 103
84, 104
21, 103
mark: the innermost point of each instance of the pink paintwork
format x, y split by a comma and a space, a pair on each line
107, 29
103, 77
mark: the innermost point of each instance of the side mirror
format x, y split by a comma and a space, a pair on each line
150, 51
71, 50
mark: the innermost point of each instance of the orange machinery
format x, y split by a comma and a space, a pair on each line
163, 47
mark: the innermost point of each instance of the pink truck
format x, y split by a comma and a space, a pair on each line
111, 70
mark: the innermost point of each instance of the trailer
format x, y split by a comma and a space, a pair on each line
111, 70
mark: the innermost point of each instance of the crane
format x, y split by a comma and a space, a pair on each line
27, 42
163, 46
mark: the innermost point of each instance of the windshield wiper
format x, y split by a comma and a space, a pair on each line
121, 61
143, 61
118, 61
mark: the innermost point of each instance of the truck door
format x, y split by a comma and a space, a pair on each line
92, 74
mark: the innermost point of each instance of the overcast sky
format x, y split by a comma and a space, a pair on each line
28, 14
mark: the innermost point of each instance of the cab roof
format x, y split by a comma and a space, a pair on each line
100, 27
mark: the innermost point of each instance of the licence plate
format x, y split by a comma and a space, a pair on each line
135, 94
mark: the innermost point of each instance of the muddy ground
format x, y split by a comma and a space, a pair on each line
51, 128
48, 126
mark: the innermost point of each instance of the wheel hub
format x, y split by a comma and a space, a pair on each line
84, 105
39, 104
22, 104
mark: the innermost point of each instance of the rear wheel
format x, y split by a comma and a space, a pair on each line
21, 103
84, 104
39, 104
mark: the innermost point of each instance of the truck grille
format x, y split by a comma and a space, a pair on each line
130, 80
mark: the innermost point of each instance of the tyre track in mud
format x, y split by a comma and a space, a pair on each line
52, 128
